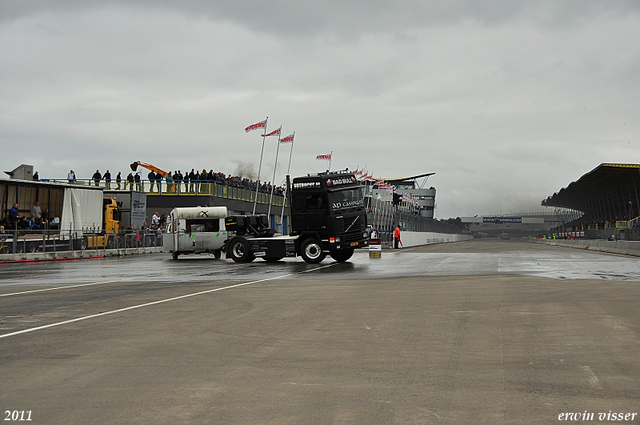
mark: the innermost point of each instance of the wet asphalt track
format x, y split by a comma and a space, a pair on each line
474, 332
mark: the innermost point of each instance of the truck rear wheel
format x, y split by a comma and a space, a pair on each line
240, 251
175, 255
217, 254
342, 255
311, 251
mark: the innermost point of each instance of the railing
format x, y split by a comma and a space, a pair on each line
196, 188
627, 224
50, 241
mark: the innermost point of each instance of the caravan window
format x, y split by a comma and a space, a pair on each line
199, 226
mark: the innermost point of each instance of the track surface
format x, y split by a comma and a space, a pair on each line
478, 332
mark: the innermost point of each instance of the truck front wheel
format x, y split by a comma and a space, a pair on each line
240, 251
311, 251
342, 255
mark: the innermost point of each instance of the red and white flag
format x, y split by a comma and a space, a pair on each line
325, 156
261, 124
273, 133
287, 139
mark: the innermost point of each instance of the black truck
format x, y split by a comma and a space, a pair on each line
327, 217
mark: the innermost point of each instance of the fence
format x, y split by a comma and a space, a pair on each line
49, 241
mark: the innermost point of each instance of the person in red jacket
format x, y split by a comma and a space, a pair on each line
396, 237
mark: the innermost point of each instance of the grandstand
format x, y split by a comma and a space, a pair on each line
604, 202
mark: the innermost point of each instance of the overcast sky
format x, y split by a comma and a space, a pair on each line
506, 101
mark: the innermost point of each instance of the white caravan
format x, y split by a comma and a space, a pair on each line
195, 230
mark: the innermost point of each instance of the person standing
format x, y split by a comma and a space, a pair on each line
159, 181
193, 178
71, 176
152, 179
107, 180
138, 182
396, 237
118, 179
96, 177
177, 179
14, 216
36, 213
169, 182
130, 181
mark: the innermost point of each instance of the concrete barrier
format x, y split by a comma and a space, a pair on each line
72, 255
602, 245
425, 238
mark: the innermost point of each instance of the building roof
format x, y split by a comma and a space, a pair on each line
402, 179
606, 190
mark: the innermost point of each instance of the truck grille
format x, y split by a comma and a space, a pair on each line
355, 231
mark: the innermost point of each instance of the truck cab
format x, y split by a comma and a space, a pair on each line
329, 208
327, 218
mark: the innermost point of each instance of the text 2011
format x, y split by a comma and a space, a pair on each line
17, 415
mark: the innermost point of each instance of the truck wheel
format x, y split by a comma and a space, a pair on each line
342, 255
217, 254
311, 251
240, 251
175, 255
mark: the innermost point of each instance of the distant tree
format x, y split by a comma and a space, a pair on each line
453, 221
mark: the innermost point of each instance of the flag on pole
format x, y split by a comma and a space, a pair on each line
273, 133
325, 156
261, 124
287, 139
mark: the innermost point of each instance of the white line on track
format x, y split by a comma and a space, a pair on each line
57, 288
593, 379
133, 307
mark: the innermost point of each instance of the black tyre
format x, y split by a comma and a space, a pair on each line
311, 251
175, 255
217, 254
239, 251
342, 255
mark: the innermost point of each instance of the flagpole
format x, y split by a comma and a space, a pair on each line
255, 200
273, 180
284, 201
330, 156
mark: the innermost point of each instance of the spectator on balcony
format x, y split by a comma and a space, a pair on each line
96, 177
152, 179
107, 180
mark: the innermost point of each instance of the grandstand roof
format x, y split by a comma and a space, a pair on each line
604, 191
402, 179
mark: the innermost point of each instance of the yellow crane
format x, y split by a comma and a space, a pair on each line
134, 167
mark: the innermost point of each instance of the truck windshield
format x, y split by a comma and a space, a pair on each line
346, 199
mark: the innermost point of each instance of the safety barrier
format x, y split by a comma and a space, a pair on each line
55, 244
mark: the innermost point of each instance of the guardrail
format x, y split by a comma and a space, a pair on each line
47, 241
